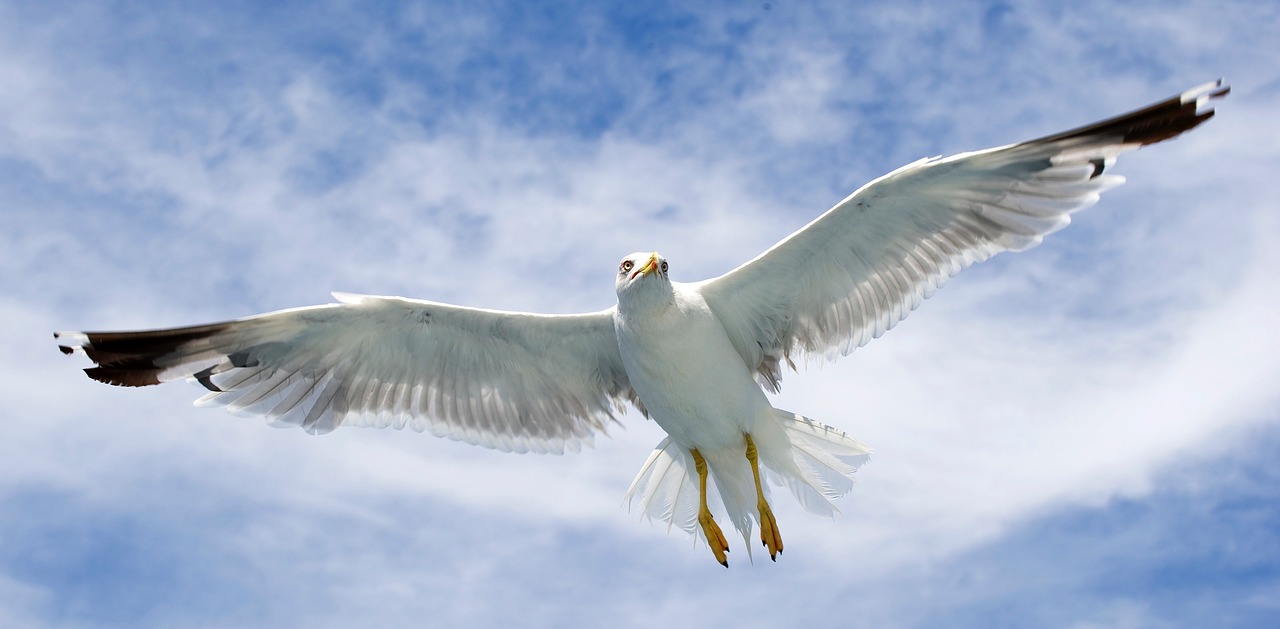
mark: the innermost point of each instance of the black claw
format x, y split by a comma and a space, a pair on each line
725, 563
774, 558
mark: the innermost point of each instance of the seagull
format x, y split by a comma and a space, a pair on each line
696, 358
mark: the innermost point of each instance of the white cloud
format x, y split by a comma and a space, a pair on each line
1057, 379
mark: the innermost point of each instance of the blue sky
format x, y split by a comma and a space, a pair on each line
1082, 435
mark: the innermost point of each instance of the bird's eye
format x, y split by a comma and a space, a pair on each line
626, 265
664, 267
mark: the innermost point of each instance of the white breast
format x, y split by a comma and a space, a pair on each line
687, 373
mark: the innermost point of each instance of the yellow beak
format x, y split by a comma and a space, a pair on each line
649, 267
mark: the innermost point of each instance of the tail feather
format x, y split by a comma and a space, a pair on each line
736, 488
814, 461
670, 488
827, 459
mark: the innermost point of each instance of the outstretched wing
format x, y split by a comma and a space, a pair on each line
512, 381
861, 267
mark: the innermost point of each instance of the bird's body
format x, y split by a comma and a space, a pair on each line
697, 358
684, 368
697, 388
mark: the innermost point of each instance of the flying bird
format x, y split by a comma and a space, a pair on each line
697, 358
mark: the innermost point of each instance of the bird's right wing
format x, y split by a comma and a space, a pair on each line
861, 267
507, 380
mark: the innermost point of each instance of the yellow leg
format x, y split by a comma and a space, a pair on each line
715, 537
769, 534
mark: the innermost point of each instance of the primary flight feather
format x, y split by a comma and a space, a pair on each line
694, 357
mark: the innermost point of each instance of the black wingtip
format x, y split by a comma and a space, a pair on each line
1161, 121
1220, 88
65, 349
137, 359
205, 378
124, 377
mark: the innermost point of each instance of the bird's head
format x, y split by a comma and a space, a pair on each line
643, 272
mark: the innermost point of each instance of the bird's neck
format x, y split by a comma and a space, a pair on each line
646, 300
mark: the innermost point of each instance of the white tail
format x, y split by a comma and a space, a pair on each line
816, 462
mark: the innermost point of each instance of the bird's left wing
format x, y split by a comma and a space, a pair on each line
861, 267
507, 380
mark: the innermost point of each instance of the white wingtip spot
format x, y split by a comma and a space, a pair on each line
70, 342
1202, 94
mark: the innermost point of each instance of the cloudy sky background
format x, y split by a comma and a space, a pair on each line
1083, 435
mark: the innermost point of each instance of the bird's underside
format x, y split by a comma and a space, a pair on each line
694, 357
